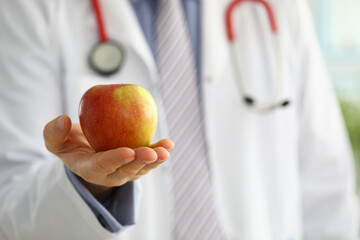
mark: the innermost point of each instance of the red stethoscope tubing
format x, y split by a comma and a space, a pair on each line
100, 21
230, 11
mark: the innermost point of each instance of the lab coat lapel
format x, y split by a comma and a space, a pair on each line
214, 43
123, 25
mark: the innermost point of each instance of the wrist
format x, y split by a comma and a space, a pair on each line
101, 193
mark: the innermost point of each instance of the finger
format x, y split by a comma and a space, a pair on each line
163, 155
96, 167
165, 143
143, 157
145, 154
55, 133
107, 162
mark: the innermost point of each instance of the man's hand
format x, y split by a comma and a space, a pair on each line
100, 171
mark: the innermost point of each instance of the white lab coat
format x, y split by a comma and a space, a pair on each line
283, 175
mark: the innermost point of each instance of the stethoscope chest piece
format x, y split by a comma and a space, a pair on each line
106, 58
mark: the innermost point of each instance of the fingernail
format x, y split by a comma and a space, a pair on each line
60, 124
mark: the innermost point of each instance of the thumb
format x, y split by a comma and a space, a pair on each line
55, 133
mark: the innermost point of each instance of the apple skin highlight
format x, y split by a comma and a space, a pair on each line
118, 115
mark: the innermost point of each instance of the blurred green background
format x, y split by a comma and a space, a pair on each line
337, 25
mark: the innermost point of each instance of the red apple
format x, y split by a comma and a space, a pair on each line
118, 115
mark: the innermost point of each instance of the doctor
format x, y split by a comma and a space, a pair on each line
285, 174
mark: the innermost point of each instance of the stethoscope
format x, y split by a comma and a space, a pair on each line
107, 56
278, 100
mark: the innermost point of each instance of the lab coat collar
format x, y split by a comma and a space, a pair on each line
124, 26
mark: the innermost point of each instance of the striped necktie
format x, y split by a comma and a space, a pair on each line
194, 205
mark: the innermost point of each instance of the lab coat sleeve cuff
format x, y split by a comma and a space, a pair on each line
120, 209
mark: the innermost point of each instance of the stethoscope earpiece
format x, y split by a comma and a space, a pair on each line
249, 100
285, 103
279, 100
